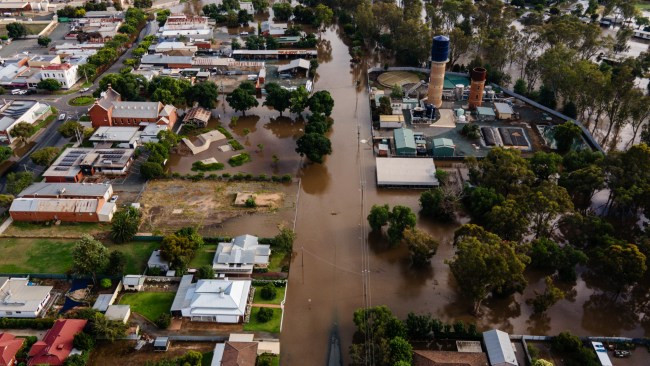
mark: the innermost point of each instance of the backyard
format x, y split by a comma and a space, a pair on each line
204, 256
31, 28
64, 230
22, 255
149, 304
272, 326
279, 296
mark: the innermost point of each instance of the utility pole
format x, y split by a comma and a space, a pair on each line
302, 260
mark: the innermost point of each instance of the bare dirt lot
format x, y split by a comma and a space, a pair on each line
168, 205
122, 353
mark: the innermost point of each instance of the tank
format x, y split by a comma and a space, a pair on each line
478, 74
440, 49
430, 110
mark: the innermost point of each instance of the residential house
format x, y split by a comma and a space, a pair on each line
197, 116
20, 300
110, 110
241, 255
68, 202
9, 347
499, 348
57, 343
12, 112
133, 282
75, 163
221, 301
233, 353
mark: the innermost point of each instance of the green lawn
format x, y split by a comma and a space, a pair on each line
272, 326
277, 260
204, 256
55, 255
643, 5
82, 100
278, 297
53, 231
149, 304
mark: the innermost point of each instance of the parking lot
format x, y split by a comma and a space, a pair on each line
31, 45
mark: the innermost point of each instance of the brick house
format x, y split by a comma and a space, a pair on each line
57, 343
9, 347
110, 110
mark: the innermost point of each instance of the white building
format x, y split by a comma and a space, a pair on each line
66, 74
133, 282
20, 300
13, 112
499, 348
241, 255
118, 136
120, 313
221, 301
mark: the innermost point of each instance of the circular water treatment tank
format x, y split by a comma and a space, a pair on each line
440, 49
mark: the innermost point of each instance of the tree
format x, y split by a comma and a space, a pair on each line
16, 30
438, 203
547, 254
6, 200
277, 97
548, 298
101, 327
545, 203
623, 264
544, 165
573, 352
323, 16
503, 170
44, 41
520, 87
125, 224
89, 256
400, 350
321, 102
418, 327
315, 146
116, 263
582, 184
17, 182
542, 362
241, 100
205, 93
376, 327
5, 153
421, 245
509, 220
205, 272
378, 217
22, 130
129, 85
76, 360
164, 321
268, 291
264, 315
70, 128
142, 4
484, 264
282, 11
44, 156
49, 85
151, 170
299, 100
480, 200
260, 6
178, 250
400, 219
565, 136
83, 341
284, 239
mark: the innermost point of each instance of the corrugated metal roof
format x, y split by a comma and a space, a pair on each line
404, 138
66, 189
53, 205
181, 293
136, 109
499, 348
406, 172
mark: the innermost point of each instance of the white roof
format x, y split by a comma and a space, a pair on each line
499, 348
601, 352
213, 297
118, 312
136, 109
503, 108
217, 355
406, 172
297, 63
115, 134
241, 337
133, 280
243, 249
17, 295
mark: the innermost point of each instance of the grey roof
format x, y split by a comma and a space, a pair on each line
407, 172
244, 249
499, 348
66, 189
161, 342
160, 59
115, 133
503, 108
136, 109
133, 280
297, 63
108, 97
103, 302
156, 261
17, 295
440, 142
183, 287
485, 111
118, 312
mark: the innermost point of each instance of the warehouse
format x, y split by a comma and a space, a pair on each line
406, 172
404, 142
443, 147
391, 121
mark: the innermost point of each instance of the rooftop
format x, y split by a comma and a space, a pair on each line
447, 358
499, 348
57, 343
66, 190
75, 205
103, 302
159, 59
406, 172
17, 295
115, 134
136, 109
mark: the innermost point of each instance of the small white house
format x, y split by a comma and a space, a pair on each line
19, 299
120, 313
133, 282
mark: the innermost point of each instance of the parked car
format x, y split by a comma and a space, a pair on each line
62, 117
83, 90
243, 34
15, 92
622, 353
113, 198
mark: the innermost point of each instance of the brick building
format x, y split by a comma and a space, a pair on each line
110, 110
75, 163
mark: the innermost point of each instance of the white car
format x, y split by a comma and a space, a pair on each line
15, 92
83, 90
62, 117
243, 33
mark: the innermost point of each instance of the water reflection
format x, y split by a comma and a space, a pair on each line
285, 127
315, 178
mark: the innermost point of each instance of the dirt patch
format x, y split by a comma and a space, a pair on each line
261, 199
169, 205
122, 353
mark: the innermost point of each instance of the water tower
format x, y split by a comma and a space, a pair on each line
439, 59
477, 77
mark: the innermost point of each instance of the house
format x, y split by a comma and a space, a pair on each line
165, 47
57, 343
197, 116
116, 136
66, 74
133, 282
273, 29
39, 61
296, 66
221, 301
120, 313
499, 348
156, 261
404, 142
170, 62
233, 353
110, 110
241, 255
504, 111
9, 347
12, 112
75, 163
18, 299
448, 358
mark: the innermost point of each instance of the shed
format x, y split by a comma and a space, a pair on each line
443, 147
155, 261
485, 114
406, 172
499, 348
294, 66
504, 110
133, 282
391, 121
161, 344
103, 302
404, 142
119, 313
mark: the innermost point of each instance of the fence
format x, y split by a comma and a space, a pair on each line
186, 338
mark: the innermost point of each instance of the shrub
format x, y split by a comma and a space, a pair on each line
236, 145
239, 159
163, 321
286, 178
205, 272
200, 166
17, 323
225, 132
83, 341
105, 283
264, 315
250, 202
268, 292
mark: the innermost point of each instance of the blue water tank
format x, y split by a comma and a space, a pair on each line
440, 49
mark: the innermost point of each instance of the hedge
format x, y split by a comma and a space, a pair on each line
236, 145
19, 323
239, 159
200, 166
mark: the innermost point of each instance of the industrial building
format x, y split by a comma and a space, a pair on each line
406, 173
75, 163
504, 111
404, 142
443, 147
499, 348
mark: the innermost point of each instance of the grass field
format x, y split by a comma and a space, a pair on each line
643, 5
204, 256
53, 231
55, 255
272, 326
149, 304
278, 297
31, 28
82, 100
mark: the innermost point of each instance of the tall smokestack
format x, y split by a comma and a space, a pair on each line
439, 59
478, 76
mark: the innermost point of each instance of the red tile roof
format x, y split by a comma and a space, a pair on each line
57, 67
9, 346
57, 343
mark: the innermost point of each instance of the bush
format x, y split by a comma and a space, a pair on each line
83, 341
17, 323
250, 202
268, 292
239, 159
163, 321
236, 145
105, 283
151, 170
205, 272
225, 132
200, 166
264, 315
286, 178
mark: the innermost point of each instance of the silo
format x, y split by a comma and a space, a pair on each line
439, 59
477, 76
